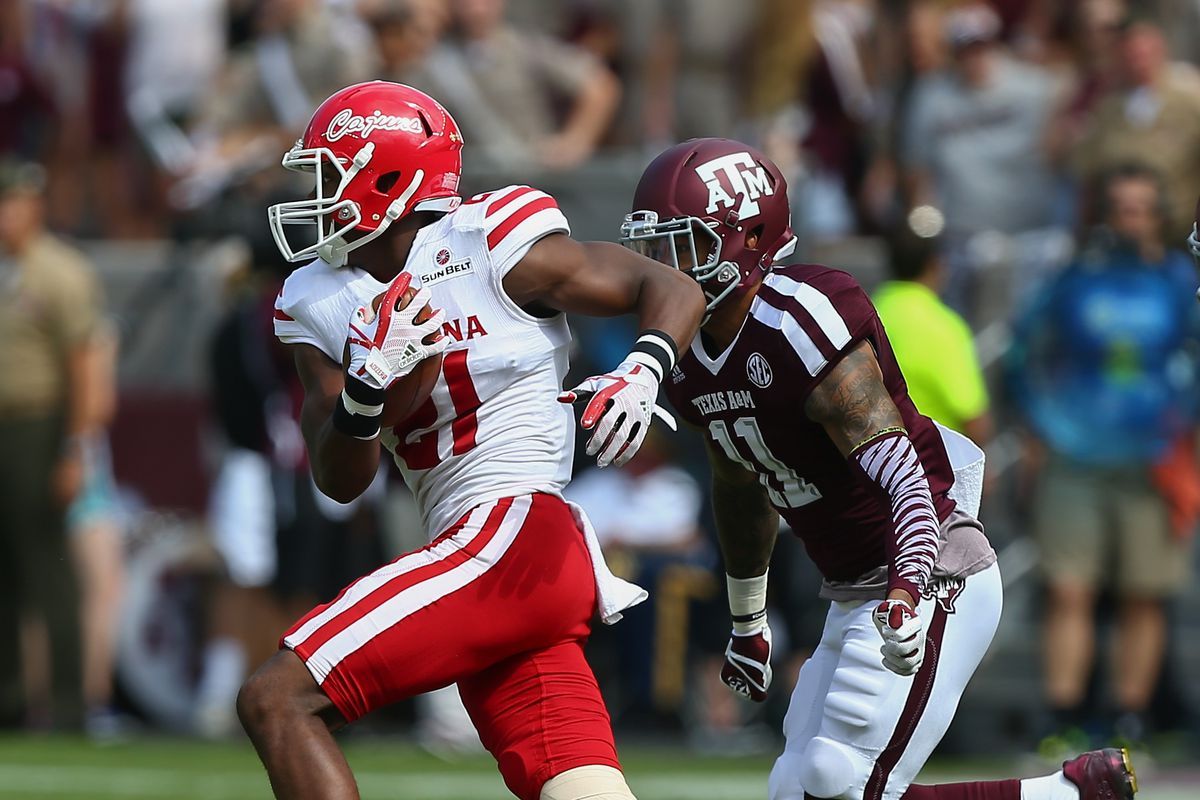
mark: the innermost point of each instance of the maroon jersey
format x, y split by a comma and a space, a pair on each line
750, 403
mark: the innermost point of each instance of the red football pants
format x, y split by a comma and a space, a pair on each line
501, 603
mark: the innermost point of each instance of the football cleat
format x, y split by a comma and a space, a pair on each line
1102, 774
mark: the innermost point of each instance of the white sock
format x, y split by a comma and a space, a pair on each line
587, 783
1049, 787
222, 673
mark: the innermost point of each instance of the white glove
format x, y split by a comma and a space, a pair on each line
622, 402
903, 636
387, 345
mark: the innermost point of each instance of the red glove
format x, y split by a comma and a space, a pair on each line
747, 668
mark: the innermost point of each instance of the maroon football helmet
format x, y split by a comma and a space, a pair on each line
697, 203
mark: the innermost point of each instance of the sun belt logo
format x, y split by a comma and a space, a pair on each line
347, 123
744, 176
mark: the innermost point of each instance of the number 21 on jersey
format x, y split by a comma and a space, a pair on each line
417, 438
784, 487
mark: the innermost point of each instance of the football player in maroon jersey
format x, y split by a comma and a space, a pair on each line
806, 415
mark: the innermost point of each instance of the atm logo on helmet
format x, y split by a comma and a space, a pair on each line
346, 122
743, 175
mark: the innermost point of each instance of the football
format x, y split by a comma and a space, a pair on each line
406, 394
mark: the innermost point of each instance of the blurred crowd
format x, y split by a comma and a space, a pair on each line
998, 112
1013, 179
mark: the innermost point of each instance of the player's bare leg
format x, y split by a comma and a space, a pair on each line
291, 723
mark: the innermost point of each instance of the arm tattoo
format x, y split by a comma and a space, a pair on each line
858, 414
851, 402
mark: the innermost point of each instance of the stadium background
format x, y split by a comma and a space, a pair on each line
158, 125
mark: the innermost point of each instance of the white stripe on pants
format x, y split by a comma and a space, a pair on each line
358, 632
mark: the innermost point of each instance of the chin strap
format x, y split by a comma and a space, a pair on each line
334, 252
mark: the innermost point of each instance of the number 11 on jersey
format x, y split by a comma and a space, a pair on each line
785, 488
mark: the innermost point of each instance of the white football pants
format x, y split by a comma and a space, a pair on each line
860, 732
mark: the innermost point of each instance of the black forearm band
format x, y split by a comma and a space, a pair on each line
748, 617
360, 426
364, 393
660, 347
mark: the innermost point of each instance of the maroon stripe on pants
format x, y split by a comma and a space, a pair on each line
914, 707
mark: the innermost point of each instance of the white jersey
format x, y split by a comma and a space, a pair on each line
492, 427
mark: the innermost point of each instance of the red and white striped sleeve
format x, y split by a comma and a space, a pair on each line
287, 329
513, 219
891, 461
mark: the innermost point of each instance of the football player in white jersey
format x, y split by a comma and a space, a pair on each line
503, 598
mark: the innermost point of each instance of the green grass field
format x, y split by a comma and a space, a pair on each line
175, 769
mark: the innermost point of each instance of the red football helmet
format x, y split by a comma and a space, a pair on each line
379, 151
717, 191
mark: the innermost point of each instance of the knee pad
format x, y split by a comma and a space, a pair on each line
828, 768
587, 783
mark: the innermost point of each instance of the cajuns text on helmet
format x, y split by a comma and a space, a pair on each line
378, 151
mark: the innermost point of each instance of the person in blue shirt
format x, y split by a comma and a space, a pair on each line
1104, 372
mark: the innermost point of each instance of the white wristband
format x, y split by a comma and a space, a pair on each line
649, 362
361, 409
655, 351
748, 603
